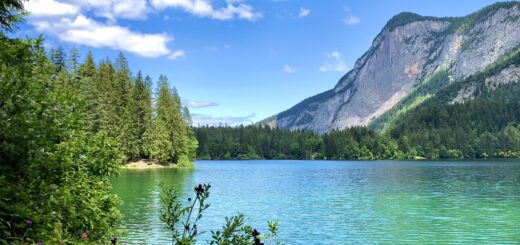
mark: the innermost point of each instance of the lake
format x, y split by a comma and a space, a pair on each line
339, 202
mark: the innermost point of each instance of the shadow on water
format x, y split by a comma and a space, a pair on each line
139, 190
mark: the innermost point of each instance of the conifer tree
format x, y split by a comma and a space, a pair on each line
124, 104
58, 58
141, 113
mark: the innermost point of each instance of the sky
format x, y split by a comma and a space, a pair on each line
232, 61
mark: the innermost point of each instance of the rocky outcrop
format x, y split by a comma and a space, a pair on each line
408, 50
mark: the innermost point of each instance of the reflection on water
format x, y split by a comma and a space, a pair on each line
333, 202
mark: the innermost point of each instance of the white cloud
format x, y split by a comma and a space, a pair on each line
114, 9
203, 119
304, 12
67, 19
198, 103
176, 54
334, 62
288, 69
351, 20
85, 31
49, 8
203, 8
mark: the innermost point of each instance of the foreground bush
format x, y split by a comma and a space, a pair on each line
181, 221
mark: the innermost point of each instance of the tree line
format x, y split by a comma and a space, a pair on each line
263, 142
486, 126
146, 125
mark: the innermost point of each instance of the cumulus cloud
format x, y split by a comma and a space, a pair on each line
203, 8
67, 20
47, 8
351, 20
288, 69
334, 62
203, 119
197, 103
111, 9
86, 31
304, 12
94, 22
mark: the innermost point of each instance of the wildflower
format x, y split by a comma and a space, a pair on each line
114, 240
199, 189
28, 222
39, 243
84, 236
255, 233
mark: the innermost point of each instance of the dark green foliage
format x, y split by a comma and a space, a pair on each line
11, 12
471, 129
360, 143
458, 24
64, 130
169, 138
58, 58
54, 176
181, 221
252, 142
404, 18
141, 114
172, 212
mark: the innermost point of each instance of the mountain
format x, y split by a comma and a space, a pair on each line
410, 62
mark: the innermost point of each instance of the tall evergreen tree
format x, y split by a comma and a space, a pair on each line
124, 103
59, 58
141, 113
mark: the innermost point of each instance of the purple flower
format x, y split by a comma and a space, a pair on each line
39, 243
199, 189
29, 222
114, 240
84, 236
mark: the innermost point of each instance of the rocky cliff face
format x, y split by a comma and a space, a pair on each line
408, 50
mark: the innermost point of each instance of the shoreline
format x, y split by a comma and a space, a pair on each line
147, 164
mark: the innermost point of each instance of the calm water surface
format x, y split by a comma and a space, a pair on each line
340, 202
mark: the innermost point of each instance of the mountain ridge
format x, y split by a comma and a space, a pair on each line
407, 52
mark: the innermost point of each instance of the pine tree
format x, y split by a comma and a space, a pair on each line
87, 90
105, 112
167, 138
58, 58
141, 113
124, 104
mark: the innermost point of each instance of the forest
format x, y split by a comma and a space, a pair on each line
66, 127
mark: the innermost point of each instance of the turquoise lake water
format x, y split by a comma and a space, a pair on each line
339, 202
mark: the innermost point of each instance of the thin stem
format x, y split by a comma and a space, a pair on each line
189, 215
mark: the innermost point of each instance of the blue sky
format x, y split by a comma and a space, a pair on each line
232, 61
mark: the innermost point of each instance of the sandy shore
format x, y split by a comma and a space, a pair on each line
146, 164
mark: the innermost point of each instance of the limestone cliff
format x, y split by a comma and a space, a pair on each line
406, 53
